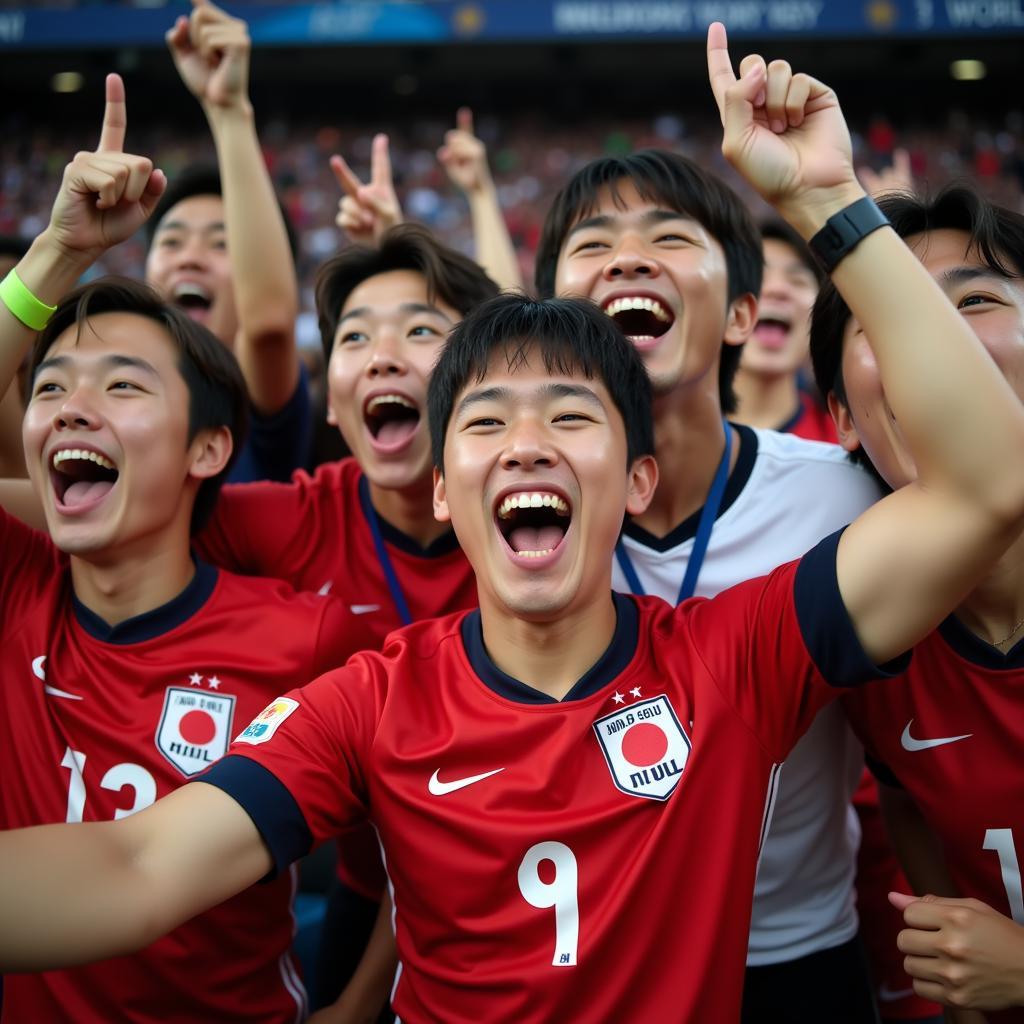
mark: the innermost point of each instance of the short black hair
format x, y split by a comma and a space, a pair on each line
216, 388
450, 276
202, 180
780, 231
572, 336
994, 231
679, 184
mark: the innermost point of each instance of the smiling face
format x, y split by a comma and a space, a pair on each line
663, 279
778, 345
388, 338
188, 264
536, 485
106, 438
991, 304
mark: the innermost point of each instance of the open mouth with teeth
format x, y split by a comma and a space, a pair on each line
640, 318
81, 477
391, 419
533, 523
192, 297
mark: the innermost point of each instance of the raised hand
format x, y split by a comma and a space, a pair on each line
897, 177
211, 52
961, 952
464, 156
784, 133
366, 212
105, 196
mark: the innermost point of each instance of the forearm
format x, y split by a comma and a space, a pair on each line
263, 272
494, 249
49, 273
68, 895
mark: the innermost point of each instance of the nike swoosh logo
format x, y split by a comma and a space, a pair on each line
39, 671
909, 743
890, 995
362, 609
326, 588
439, 788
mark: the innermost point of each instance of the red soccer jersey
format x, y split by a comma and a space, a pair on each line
950, 732
316, 533
812, 422
99, 722
590, 859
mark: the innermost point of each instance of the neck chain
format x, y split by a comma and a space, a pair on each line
1009, 636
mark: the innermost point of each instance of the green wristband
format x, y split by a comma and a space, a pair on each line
23, 304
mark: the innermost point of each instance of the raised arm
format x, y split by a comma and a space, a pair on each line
211, 52
366, 212
464, 157
104, 198
909, 560
71, 894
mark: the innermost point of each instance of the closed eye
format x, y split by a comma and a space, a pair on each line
573, 417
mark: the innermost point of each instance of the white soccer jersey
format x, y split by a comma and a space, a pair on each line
783, 496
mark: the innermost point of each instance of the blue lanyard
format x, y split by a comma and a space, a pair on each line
703, 537
385, 562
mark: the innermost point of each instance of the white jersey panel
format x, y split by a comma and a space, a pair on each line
797, 493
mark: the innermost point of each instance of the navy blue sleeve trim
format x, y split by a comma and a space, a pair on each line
882, 772
825, 623
268, 802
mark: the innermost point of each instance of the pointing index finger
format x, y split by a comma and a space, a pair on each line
720, 72
464, 120
380, 161
115, 117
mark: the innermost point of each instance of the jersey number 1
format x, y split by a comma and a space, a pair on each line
560, 893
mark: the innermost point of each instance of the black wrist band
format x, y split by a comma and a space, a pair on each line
844, 230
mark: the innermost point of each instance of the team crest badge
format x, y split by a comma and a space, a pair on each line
265, 724
645, 747
195, 728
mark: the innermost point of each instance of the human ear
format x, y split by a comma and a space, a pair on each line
209, 452
642, 483
845, 429
741, 320
441, 513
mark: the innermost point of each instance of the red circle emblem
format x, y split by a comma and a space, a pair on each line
197, 727
645, 744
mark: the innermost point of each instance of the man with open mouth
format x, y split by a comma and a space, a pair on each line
672, 256
569, 785
127, 666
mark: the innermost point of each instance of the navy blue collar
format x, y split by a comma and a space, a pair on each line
611, 664
443, 545
687, 529
972, 648
153, 623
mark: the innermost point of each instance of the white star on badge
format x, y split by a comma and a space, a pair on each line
195, 679
635, 692
618, 698
214, 683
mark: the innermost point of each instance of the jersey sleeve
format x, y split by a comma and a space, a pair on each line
298, 770
251, 527
781, 647
341, 635
30, 563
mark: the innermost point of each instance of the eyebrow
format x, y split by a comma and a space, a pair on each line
604, 220
112, 362
965, 274
547, 392
406, 307
180, 225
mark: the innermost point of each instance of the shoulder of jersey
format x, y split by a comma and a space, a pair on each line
796, 450
425, 638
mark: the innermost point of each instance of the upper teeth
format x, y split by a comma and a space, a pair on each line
81, 453
191, 288
393, 399
534, 500
651, 305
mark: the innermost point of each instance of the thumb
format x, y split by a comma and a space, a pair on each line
901, 900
